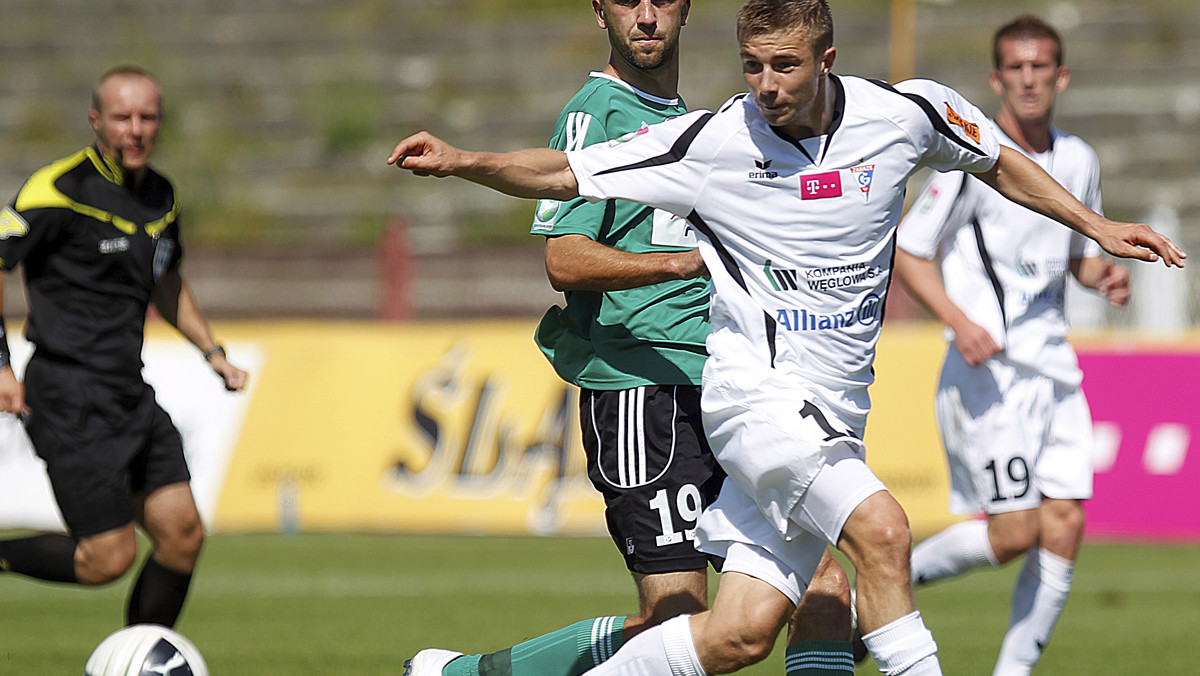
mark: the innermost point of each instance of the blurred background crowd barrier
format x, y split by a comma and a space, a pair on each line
281, 112
425, 406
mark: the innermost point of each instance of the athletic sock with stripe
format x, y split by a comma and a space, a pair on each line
819, 658
570, 651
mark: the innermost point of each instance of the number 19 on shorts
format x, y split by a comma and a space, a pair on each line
686, 506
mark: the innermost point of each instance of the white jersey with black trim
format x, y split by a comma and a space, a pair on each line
1004, 265
797, 235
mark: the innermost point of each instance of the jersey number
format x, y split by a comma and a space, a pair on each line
687, 502
1017, 480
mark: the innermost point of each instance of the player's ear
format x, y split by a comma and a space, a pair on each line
996, 84
1063, 79
827, 60
93, 118
598, 8
687, 7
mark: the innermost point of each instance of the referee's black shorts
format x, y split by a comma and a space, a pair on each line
647, 454
104, 442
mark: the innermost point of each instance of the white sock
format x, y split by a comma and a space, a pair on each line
904, 646
658, 651
681, 647
954, 551
1037, 601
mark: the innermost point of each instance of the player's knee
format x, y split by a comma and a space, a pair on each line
1012, 543
101, 565
1064, 516
881, 537
183, 545
830, 580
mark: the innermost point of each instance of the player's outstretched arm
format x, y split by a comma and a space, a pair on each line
1021, 180
579, 263
535, 173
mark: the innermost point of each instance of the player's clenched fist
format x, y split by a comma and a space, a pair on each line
426, 155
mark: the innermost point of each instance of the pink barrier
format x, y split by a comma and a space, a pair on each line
1146, 410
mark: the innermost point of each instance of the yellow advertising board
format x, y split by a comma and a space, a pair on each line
464, 427
414, 427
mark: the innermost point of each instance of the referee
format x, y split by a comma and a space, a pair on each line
98, 234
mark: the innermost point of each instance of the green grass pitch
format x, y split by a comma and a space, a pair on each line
359, 604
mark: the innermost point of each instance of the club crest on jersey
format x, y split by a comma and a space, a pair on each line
821, 186
970, 128
930, 197
645, 128
863, 175
546, 215
11, 224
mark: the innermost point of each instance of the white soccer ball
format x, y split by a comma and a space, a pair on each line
145, 650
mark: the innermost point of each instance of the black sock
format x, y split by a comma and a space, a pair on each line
158, 595
49, 557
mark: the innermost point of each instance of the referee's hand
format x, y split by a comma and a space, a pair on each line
234, 377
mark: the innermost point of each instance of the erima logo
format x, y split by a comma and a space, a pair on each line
762, 172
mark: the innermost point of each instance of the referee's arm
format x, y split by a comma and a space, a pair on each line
12, 392
174, 301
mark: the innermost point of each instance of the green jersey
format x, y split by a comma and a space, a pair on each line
613, 340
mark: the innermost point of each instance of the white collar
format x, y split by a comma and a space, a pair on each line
649, 97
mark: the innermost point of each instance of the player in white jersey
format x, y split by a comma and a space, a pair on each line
1013, 418
795, 191
631, 336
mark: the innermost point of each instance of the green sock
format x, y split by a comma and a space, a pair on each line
570, 651
819, 658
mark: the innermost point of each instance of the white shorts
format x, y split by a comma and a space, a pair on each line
1012, 436
796, 472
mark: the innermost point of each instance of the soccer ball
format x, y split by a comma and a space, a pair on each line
145, 650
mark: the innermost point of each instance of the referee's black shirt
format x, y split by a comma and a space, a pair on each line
94, 248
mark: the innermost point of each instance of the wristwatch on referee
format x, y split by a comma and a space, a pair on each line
213, 351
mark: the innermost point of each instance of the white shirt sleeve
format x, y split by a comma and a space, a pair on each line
1081, 246
954, 134
659, 165
937, 211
